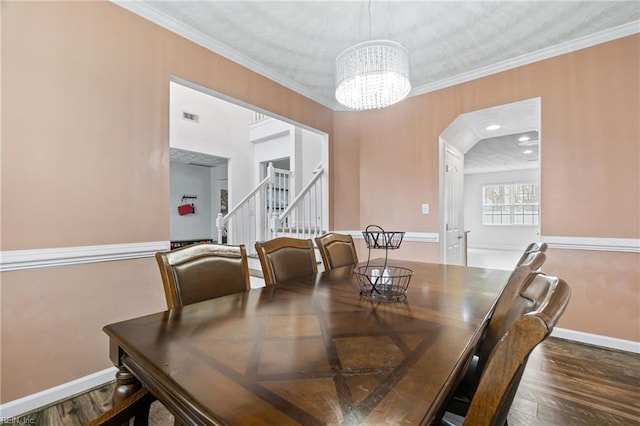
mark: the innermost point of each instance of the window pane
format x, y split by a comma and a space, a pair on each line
525, 193
510, 204
496, 195
525, 215
496, 215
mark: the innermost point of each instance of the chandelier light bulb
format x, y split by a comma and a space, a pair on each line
372, 74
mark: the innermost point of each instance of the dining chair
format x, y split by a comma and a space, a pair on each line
530, 251
502, 317
134, 407
203, 271
336, 250
537, 312
286, 258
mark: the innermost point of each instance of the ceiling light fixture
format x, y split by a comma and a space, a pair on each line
523, 138
493, 127
372, 74
527, 151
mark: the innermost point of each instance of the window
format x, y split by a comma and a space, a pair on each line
510, 204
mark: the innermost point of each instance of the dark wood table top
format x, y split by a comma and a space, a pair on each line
313, 351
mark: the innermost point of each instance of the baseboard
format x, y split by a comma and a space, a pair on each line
597, 340
55, 394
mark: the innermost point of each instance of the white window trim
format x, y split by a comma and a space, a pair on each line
512, 205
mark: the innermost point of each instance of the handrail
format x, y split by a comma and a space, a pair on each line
262, 183
318, 170
222, 219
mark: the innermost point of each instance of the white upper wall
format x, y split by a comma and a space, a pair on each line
222, 130
226, 130
495, 236
190, 180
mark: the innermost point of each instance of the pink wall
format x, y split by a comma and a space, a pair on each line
590, 175
85, 162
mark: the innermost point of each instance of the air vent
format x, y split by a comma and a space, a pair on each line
190, 117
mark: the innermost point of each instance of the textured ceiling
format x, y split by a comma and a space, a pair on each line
296, 42
195, 158
503, 153
492, 150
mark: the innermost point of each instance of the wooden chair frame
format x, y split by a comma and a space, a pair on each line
332, 246
267, 249
170, 260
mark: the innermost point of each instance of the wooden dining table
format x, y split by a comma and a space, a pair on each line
312, 351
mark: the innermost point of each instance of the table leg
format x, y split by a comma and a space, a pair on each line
126, 385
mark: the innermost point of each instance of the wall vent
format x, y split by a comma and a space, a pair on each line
190, 117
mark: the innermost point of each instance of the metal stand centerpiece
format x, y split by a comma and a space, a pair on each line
385, 282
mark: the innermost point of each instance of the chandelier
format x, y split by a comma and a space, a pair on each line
372, 74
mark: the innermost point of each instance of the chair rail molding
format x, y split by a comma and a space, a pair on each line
629, 245
420, 237
15, 260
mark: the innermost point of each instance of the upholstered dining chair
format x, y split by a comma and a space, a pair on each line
500, 320
535, 314
286, 258
203, 271
531, 249
336, 250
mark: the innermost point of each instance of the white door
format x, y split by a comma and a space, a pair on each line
453, 206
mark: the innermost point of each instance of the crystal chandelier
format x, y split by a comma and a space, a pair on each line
372, 74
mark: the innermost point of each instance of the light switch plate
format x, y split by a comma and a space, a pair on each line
425, 208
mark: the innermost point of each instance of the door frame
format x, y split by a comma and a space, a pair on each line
442, 148
462, 145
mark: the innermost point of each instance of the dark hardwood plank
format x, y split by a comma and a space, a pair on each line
572, 383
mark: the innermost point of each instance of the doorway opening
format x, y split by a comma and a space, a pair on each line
232, 143
492, 212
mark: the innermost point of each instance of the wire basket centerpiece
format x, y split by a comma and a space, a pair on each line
387, 281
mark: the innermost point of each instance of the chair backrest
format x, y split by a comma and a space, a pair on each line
500, 319
337, 250
500, 379
286, 258
203, 271
530, 251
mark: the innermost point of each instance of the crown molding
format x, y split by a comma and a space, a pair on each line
15, 260
143, 10
529, 58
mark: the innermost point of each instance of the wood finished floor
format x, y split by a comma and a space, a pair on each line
565, 383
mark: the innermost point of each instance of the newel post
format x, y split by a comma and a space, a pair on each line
220, 226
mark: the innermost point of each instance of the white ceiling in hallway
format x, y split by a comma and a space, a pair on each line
296, 42
489, 138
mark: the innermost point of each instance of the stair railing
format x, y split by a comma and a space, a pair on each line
304, 217
248, 221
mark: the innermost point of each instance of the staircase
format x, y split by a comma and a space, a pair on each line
270, 211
